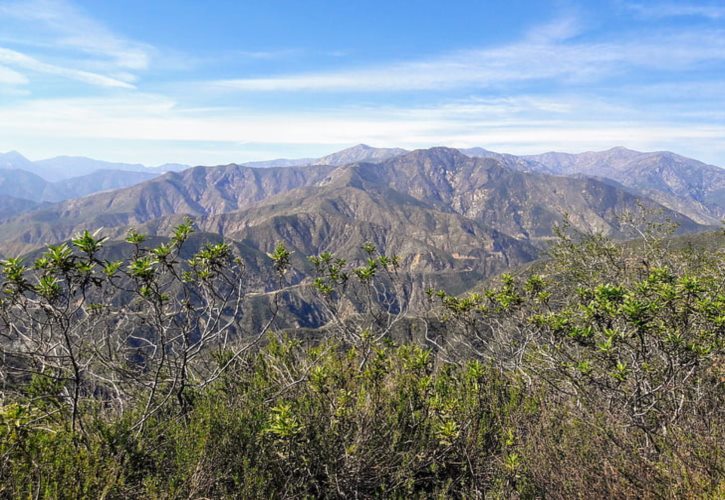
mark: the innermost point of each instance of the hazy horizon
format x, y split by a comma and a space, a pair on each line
269, 159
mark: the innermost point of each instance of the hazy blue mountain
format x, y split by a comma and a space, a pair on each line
361, 152
511, 161
65, 167
683, 184
30, 186
281, 162
13, 160
20, 183
100, 180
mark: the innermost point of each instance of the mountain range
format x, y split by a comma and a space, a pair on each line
26, 184
683, 184
67, 167
453, 218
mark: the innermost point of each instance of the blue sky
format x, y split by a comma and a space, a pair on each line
228, 81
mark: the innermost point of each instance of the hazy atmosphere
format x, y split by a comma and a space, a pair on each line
199, 83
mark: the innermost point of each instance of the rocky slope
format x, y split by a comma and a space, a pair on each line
200, 191
427, 205
683, 184
522, 204
11, 206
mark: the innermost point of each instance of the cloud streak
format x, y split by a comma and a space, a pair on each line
524, 124
17, 59
67, 26
551, 53
67, 43
11, 77
662, 10
557, 87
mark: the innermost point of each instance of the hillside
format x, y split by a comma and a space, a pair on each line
499, 388
683, 184
522, 204
445, 214
197, 192
10, 206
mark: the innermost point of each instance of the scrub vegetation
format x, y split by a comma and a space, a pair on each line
597, 372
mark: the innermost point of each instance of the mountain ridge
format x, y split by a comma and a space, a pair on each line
63, 167
523, 205
683, 184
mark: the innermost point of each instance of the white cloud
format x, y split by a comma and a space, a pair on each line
547, 119
11, 77
521, 125
17, 59
53, 37
267, 55
551, 52
64, 25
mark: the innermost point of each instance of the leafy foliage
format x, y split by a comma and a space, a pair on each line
597, 373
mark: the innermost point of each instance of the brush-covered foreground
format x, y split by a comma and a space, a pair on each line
598, 373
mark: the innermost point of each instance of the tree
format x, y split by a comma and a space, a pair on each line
362, 304
80, 330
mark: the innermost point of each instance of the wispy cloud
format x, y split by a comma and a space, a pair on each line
557, 87
552, 52
14, 58
689, 9
11, 77
524, 124
64, 25
53, 37
267, 55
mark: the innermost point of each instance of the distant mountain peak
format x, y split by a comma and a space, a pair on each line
13, 156
477, 150
363, 147
360, 153
622, 151
438, 152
